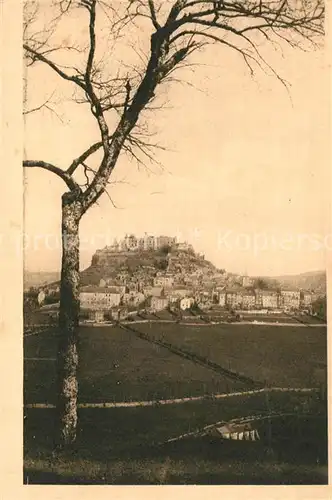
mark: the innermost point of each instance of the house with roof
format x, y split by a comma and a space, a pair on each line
153, 291
234, 298
269, 299
178, 291
248, 299
164, 280
95, 297
307, 298
222, 298
159, 303
186, 303
239, 432
290, 299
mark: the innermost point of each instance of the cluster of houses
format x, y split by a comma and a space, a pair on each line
247, 299
165, 293
188, 280
119, 300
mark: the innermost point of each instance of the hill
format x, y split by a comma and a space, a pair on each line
39, 278
144, 263
313, 280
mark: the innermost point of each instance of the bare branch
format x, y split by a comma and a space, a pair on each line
83, 157
42, 58
96, 107
45, 105
153, 14
111, 199
73, 186
65, 5
180, 31
91, 6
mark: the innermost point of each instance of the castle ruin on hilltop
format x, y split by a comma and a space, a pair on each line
131, 243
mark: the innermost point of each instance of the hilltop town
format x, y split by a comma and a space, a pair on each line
155, 273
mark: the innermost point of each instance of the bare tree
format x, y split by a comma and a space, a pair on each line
117, 93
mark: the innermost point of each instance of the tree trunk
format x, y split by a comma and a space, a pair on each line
67, 362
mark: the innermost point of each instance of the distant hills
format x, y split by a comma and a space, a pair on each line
39, 278
312, 280
108, 265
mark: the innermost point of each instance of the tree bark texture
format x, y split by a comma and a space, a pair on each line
67, 387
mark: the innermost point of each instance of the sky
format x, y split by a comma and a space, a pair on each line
244, 173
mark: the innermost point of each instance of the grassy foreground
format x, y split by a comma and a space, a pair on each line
189, 468
128, 445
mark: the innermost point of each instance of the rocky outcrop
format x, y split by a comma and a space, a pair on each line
139, 265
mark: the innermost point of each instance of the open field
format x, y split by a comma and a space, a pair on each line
279, 356
128, 445
117, 366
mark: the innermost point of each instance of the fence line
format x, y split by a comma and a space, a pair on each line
195, 358
182, 323
161, 402
39, 359
37, 332
37, 329
214, 323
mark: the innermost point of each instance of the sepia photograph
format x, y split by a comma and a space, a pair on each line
175, 245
